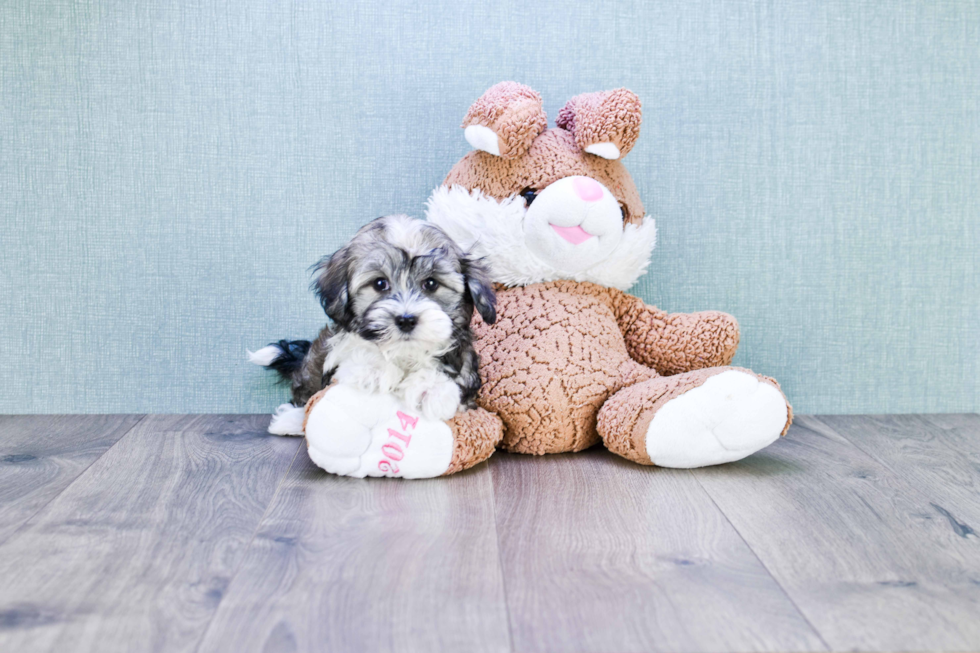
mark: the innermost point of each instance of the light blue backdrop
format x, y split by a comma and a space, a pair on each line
169, 170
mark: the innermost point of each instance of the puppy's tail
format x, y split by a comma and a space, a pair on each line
300, 364
285, 357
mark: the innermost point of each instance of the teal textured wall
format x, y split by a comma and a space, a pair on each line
169, 170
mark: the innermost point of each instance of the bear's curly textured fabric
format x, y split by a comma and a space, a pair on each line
476, 434
513, 112
497, 100
603, 117
678, 342
558, 351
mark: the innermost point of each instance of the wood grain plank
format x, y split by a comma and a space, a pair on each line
40, 455
136, 554
342, 564
860, 549
954, 420
600, 554
960, 431
944, 463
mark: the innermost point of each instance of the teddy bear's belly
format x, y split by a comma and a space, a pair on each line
548, 363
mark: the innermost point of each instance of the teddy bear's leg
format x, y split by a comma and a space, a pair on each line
353, 433
476, 434
706, 417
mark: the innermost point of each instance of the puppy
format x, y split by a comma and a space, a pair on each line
400, 297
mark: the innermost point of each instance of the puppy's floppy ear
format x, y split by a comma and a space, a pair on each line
479, 287
331, 285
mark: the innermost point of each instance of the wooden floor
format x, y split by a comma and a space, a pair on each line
202, 533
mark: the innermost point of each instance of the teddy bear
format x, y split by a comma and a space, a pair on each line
572, 359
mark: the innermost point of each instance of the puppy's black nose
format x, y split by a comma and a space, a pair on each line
406, 323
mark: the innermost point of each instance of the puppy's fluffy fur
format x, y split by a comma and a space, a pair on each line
400, 295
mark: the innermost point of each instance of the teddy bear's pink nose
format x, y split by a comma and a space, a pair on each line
588, 189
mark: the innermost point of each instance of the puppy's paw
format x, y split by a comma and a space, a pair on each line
287, 420
365, 378
440, 401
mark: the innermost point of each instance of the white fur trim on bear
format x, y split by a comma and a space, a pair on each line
495, 230
606, 150
354, 433
482, 138
287, 420
728, 417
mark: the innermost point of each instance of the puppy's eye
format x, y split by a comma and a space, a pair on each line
381, 284
529, 194
430, 284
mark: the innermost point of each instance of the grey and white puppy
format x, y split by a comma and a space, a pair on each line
400, 295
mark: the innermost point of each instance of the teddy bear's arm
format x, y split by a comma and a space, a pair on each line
672, 343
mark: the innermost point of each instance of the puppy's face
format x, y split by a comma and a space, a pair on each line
403, 281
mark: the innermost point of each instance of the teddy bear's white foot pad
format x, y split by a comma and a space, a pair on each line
728, 417
354, 433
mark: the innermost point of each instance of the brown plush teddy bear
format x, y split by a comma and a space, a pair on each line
572, 360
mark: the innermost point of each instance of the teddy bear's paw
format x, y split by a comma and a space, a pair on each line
728, 417
441, 401
354, 433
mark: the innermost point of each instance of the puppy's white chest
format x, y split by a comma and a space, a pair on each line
407, 375
365, 368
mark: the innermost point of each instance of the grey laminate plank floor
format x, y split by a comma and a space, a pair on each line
859, 548
203, 533
41, 454
136, 553
342, 564
599, 554
937, 461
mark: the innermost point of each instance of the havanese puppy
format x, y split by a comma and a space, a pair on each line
400, 296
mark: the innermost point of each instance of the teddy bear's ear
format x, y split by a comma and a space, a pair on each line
505, 120
606, 123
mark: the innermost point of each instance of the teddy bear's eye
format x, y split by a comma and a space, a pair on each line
529, 194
